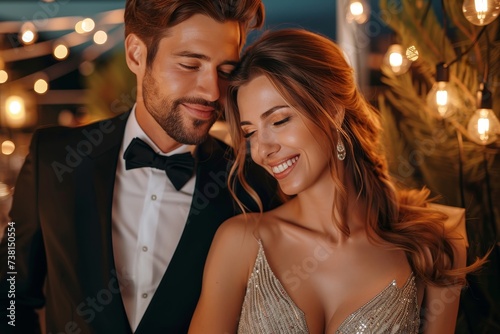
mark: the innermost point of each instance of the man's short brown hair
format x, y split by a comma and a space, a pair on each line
150, 19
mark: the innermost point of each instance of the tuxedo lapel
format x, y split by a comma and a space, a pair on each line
176, 297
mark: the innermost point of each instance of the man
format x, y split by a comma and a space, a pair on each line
103, 238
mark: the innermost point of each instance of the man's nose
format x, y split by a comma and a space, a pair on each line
208, 85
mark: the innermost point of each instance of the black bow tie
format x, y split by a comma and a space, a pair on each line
178, 167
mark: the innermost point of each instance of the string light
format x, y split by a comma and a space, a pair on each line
4, 76
100, 37
88, 25
484, 126
61, 51
41, 86
396, 59
79, 28
15, 111
481, 12
443, 97
28, 33
8, 147
357, 10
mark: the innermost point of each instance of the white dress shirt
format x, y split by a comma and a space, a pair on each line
148, 218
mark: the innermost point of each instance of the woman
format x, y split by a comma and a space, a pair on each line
348, 252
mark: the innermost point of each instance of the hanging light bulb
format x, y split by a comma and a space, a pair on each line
481, 12
484, 126
358, 11
443, 97
396, 59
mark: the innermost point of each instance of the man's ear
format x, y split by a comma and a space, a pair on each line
135, 53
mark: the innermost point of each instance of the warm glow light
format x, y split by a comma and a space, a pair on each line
8, 147
2, 63
28, 33
88, 25
484, 126
4, 76
356, 8
442, 98
481, 12
396, 60
28, 37
79, 28
4, 191
15, 111
100, 37
357, 11
61, 51
41, 86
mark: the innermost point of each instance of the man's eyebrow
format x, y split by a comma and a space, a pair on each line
201, 56
266, 114
190, 54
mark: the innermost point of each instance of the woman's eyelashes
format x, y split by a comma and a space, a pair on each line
247, 135
282, 121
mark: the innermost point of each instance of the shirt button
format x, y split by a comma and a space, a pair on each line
144, 295
153, 197
144, 248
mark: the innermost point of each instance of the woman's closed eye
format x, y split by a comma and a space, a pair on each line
247, 135
282, 121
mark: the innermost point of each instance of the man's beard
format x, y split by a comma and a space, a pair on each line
168, 115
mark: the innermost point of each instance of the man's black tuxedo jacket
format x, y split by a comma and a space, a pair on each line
63, 248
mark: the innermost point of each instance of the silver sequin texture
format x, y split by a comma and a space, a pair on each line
267, 308
392, 311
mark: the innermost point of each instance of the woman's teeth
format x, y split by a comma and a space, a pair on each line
284, 166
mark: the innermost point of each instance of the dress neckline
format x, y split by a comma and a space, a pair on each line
392, 285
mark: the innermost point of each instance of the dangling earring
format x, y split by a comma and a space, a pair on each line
340, 148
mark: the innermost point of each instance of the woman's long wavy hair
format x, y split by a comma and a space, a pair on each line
311, 74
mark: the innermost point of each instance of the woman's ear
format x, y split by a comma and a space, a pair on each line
339, 116
135, 54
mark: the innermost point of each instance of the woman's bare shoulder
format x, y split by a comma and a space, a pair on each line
238, 232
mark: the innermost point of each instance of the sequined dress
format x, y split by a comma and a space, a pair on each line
267, 308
